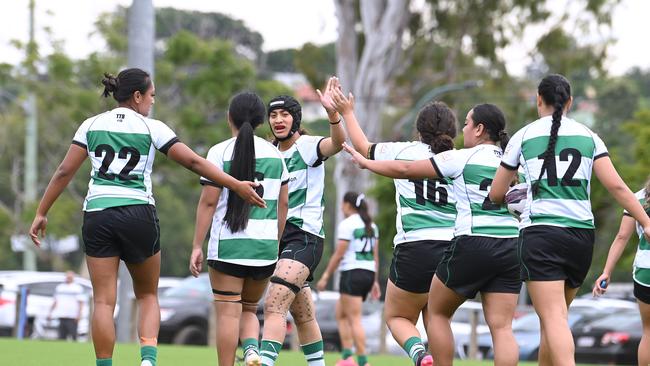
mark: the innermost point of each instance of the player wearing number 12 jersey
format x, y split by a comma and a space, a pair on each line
557, 235
426, 211
120, 220
482, 256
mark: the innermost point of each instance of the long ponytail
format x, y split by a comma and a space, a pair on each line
358, 201
555, 90
246, 112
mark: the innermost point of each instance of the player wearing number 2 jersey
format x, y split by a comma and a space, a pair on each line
426, 211
357, 254
482, 256
557, 235
119, 216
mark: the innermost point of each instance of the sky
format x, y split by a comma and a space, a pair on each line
73, 23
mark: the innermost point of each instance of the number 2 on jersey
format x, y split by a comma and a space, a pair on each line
487, 204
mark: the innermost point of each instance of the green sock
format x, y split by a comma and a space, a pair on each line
346, 353
104, 362
250, 344
149, 353
362, 360
314, 353
414, 347
269, 352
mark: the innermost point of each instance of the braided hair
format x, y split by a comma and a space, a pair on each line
554, 90
436, 124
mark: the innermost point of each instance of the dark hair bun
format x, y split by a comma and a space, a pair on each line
440, 142
110, 84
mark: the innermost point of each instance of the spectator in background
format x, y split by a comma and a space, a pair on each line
67, 305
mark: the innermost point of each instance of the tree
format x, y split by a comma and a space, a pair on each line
195, 78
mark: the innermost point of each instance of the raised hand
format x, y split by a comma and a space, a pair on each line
341, 103
356, 158
326, 97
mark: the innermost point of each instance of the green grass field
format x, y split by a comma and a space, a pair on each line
54, 353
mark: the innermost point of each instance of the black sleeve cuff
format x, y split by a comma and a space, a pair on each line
205, 182
321, 157
285, 182
371, 152
80, 144
435, 166
165, 148
601, 155
508, 166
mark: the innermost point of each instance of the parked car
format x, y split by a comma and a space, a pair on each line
165, 283
371, 318
613, 339
40, 291
185, 310
526, 329
616, 290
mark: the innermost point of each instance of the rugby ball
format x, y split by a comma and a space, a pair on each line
516, 198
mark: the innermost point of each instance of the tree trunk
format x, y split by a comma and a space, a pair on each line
367, 72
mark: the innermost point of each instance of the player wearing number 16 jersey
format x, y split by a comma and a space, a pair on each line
426, 211
557, 235
482, 256
120, 220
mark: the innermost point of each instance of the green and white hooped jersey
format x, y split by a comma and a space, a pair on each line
641, 272
426, 208
564, 191
257, 245
121, 146
472, 171
306, 184
360, 247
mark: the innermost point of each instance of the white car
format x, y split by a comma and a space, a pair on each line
460, 327
40, 289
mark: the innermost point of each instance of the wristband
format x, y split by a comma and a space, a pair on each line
335, 123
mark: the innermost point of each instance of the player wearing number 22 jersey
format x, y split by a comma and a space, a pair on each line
121, 145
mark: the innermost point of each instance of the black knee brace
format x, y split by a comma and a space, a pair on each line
295, 289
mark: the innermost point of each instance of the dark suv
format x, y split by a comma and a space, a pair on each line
185, 310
